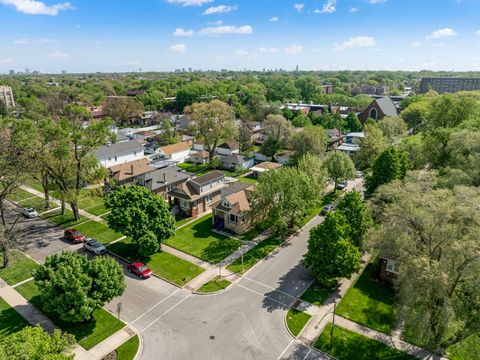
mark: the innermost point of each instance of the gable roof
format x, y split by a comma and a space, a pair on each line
130, 169
266, 165
166, 176
235, 159
200, 154
214, 175
175, 148
387, 106
238, 196
231, 145
119, 148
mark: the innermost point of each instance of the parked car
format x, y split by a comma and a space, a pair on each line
95, 247
29, 213
360, 173
327, 208
342, 185
139, 269
74, 236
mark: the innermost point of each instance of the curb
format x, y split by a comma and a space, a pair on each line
286, 325
140, 342
196, 292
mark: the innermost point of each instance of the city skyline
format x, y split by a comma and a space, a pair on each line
164, 35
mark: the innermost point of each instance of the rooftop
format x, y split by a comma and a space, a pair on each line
118, 148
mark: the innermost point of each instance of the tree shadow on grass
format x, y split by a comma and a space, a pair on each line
217, 250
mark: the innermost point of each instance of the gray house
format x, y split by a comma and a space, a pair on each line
236, 161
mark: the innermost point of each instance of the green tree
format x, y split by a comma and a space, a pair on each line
331, 255
245, 138
308, 86
123, 109
353, 207
192, 93
393, 128
3, 109
314, 168
283, 197
339, 167
370, 146
392, 164
168, 135
33, 343
312, 140
73, 287
352, 123
433, 234
414, 147
213, 122
416, 114
277, 131
141, 215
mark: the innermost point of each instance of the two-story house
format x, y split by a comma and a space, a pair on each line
119, 153
233, 211
198, 195
130, 172
161, 181
179, 152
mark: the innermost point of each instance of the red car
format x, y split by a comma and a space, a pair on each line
74, 236
139, 269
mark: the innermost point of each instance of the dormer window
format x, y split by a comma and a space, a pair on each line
226, 204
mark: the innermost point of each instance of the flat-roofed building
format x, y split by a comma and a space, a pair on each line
449, 85
6, 95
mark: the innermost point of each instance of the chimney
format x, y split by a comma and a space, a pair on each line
164, 178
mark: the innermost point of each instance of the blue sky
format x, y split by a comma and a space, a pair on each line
163, 35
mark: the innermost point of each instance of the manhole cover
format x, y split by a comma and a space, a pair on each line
212, 337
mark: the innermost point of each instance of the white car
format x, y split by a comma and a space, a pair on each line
29, 213
95, 247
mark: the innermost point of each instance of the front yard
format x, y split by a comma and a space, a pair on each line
198, 239
163, 264
87, 334
316, 294
98, 231
19, 269
296, 320
370, 302
10, 320
64, 221
347, 345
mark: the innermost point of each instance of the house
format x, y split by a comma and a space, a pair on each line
179, 152
161, 181
199, 157
379, 109
237, 161
264, 167
198, 195
144, 135
259, 157
256, 128
130, 172
188, 139
284, 157
335, 138
119, 153
354, 137
198, 145
233, 211
348, 148
228, 148
388, 268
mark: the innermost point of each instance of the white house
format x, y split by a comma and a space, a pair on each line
119, 153
228, 148
179, 152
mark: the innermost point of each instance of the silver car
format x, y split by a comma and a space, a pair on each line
95, 247
29, 213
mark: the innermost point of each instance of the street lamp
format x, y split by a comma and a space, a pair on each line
333, 323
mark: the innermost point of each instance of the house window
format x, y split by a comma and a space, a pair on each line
373, 114
116, 158
233, 218
226, 204
208, 198
184, 204
391, 266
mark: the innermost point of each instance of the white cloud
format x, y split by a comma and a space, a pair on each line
178, 48
27, 41
273, 19
415, 44
293, 49
189, 2
242, 52
356, 42
34, 7
227, 29
220, 9
328, 7
353, 10
376, 1
477, 32
269, 50
182, 32
59, 55
441, 33
299, 7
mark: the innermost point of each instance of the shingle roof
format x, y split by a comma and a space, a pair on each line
118, 148
387, 106
267, 165
166, 176
235, 159
130, 169
232, 145
175, 148
208, 177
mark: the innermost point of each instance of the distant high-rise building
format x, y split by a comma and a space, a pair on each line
190, 69
449, 85
64, 72
6, 95
11, 72
296, 69
27, 71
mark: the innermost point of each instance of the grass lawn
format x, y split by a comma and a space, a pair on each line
254, 255
199, 240
66, 221
216, 284
98, 231
296, 320
370, 302
348, 345
98, 210
467, 349
20, 268
193, 168
181, 220
34, 184
87, 334
316, 294
252, 234
248, 179
89, 200
331, 197
36, 203
163, 264
128, 349
311, 213
19, 194
10, 320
